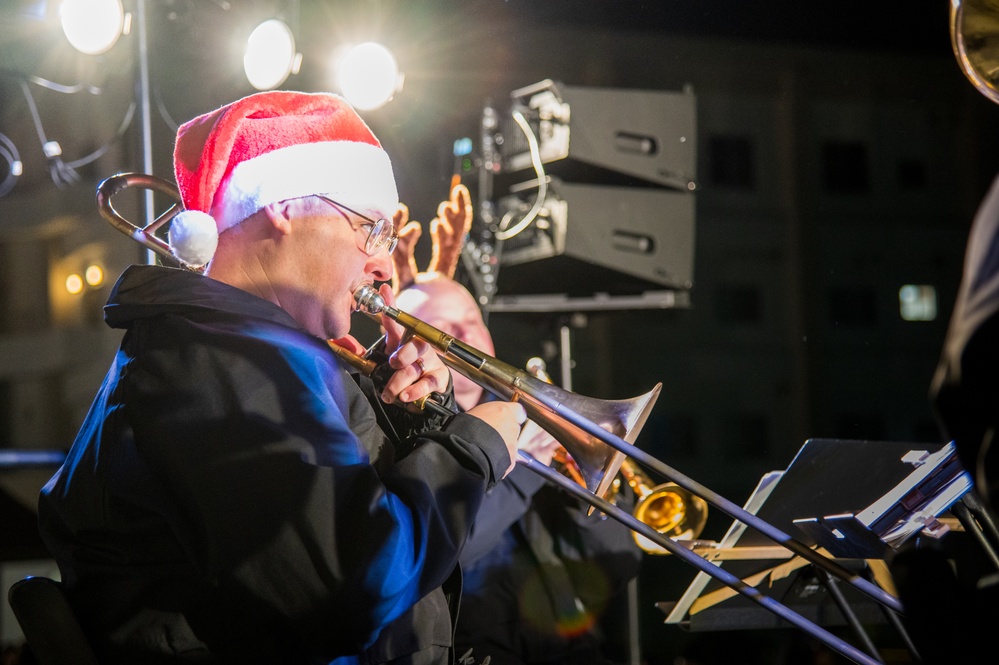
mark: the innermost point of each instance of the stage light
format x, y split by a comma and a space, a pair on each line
369, 76
94, 275
74, 284
270, 55
92, 26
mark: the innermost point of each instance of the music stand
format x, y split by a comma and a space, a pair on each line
858, 500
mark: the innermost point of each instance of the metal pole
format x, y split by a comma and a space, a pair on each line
634, 641
142, 93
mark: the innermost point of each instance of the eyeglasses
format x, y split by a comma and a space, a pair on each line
381, 232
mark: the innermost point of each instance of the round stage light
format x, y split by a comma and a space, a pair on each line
270, 55
94, 275
368, 76
92, 26
74, 284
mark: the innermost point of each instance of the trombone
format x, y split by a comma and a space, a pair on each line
598, 451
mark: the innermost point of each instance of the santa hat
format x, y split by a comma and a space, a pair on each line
270, 147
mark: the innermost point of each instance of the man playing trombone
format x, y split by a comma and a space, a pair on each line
234, 494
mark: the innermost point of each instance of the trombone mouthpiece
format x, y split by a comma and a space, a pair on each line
368, 299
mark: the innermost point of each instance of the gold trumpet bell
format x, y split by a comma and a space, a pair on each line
673, 512
668, 508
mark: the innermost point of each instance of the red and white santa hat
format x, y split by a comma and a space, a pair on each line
270, 147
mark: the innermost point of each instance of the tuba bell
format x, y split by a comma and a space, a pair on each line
974, 36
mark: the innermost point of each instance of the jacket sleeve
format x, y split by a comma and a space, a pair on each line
288, 496
501, 508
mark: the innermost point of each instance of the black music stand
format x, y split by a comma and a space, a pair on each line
856, 499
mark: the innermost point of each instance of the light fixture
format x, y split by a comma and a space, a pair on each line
94, 275
92, 26
270, 55
74, 284
368, 76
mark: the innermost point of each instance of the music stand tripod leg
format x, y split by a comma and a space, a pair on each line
894, 619
975, 519
848, 613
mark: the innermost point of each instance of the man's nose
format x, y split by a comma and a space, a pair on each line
380, 266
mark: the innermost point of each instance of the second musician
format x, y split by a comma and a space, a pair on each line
543, 581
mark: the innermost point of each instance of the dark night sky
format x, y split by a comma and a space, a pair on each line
193, 70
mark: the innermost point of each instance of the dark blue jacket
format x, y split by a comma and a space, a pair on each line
232, 495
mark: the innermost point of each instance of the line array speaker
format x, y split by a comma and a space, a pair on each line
597, 238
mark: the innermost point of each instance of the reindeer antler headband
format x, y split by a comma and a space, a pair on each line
447, 230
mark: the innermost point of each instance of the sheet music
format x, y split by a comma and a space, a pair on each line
933, 509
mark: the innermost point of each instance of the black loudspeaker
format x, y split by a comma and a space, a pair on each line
596, 239
592, 134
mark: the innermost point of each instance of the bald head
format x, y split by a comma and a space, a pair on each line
448, 306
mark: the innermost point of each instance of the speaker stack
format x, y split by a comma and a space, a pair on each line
584, 191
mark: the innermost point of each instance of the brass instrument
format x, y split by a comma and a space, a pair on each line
668, 508
562, 460
974, 36
598, 434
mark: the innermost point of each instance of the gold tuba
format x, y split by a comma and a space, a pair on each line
974, 35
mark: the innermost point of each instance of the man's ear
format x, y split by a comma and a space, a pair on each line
279, 216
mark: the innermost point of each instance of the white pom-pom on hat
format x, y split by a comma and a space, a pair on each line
193, 237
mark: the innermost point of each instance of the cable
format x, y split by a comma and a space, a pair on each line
126, 121
64, 173
61, 174
539, 169
164, 113
65, 89
14, 166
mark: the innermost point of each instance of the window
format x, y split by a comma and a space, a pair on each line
738, 304
852, 306
866, 426
917, 302
748, 434
912, 175
844, 167
730, 160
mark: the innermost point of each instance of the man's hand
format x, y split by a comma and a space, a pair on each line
537, 443
419, 370
506, 418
